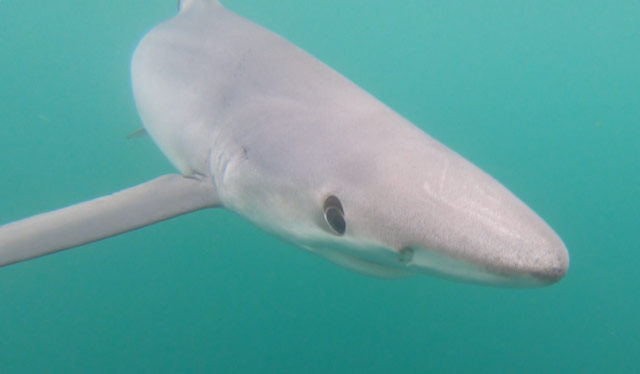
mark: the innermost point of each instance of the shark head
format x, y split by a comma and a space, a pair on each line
381, 197
301, 151
304, 153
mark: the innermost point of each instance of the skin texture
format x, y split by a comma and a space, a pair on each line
262, 128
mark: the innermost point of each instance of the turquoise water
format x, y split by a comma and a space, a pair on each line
544, 95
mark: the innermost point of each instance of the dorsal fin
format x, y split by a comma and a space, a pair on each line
184, 4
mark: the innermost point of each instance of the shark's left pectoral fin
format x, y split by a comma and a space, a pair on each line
159, 199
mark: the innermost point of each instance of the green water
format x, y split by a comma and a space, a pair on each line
544, 95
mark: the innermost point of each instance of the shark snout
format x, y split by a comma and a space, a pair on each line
474, 229
532, 262
550, 264
508, 244
520, 245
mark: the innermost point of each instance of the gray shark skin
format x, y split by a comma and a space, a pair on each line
258, 126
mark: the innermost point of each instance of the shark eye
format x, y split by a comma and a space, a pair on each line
334, 214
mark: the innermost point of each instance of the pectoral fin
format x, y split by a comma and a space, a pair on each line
159, 199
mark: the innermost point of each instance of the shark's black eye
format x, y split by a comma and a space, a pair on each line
334, 214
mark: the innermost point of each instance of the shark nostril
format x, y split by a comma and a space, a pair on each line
405, 255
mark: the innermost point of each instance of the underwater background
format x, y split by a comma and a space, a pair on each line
543, 95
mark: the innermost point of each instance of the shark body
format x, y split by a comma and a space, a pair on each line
256, 125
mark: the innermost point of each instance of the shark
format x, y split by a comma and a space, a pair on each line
256, 125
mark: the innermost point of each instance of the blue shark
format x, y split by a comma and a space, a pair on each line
258, 126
